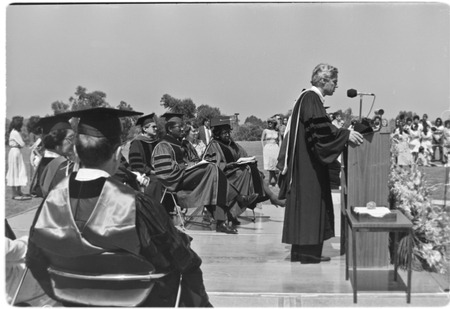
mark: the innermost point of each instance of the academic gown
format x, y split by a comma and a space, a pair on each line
309, 217
246, 178
71, 222
35, 187
54, 172
140, 160
203, 184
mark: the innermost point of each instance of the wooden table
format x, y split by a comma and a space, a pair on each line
402, 224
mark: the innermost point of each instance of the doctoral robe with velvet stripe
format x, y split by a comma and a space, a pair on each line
316, 143
196, 186
246, 178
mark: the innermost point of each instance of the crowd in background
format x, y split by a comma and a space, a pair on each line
422, 141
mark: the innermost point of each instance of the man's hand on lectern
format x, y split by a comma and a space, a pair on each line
355, 138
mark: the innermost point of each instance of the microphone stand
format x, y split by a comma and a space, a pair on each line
360, 107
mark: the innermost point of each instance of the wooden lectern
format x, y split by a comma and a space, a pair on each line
365, 175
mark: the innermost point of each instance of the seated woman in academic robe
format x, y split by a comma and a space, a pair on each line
58, 159
193, 146
241, 171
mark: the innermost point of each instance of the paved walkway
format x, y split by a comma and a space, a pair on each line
252, 269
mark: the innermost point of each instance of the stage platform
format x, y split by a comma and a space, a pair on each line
253, 269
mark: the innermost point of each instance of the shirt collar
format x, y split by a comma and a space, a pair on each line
319, 93
86, 174
50, 154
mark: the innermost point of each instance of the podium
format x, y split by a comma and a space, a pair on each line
365, 176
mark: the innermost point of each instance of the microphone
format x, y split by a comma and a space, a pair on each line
351, 93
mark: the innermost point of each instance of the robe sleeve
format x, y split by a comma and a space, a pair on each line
161, 242
214, 154
324, 140
136, 158
167, 170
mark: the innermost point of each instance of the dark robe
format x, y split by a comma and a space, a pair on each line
190, 152
35, 186
199, 185
54, 172
125, 176
309, 217
143, 227
246, 178
140, 160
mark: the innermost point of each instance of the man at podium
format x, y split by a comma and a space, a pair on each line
313, 143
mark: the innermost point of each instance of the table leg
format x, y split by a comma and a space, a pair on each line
395, 255
408, 287
355, 283
346, 248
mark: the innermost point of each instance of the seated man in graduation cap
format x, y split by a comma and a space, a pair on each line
196, 185
58, 159
140, 154
241, 171
90, 212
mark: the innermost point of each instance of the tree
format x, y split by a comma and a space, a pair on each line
206, 112
247, 132
127, 122
254, 120
84, 100
185, 106
59, 107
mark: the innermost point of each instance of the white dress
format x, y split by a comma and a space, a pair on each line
17, 173
426, 141
414, 140
270, 150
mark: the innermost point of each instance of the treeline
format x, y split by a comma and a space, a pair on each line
250, 130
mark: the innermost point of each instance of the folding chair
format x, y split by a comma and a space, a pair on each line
112, 279
182, 212
176, 208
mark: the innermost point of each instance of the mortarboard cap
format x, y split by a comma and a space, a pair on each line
173, 117
221, 121
102, 122
57, 122
142, 121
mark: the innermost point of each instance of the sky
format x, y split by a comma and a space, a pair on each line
247, 58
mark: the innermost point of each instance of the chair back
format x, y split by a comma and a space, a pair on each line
112, 279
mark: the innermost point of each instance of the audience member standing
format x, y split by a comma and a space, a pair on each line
269, 141
414, 140
446, 140
16, 176
426, 141
282, 128
204, 132
438, 131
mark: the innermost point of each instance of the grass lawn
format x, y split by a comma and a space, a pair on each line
434, 176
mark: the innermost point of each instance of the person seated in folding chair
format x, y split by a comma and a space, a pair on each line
140, 155
243, 175
199, 184
89, 213
59, 158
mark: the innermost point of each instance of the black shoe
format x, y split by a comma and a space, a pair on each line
247, 200
310, 259
224, 228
